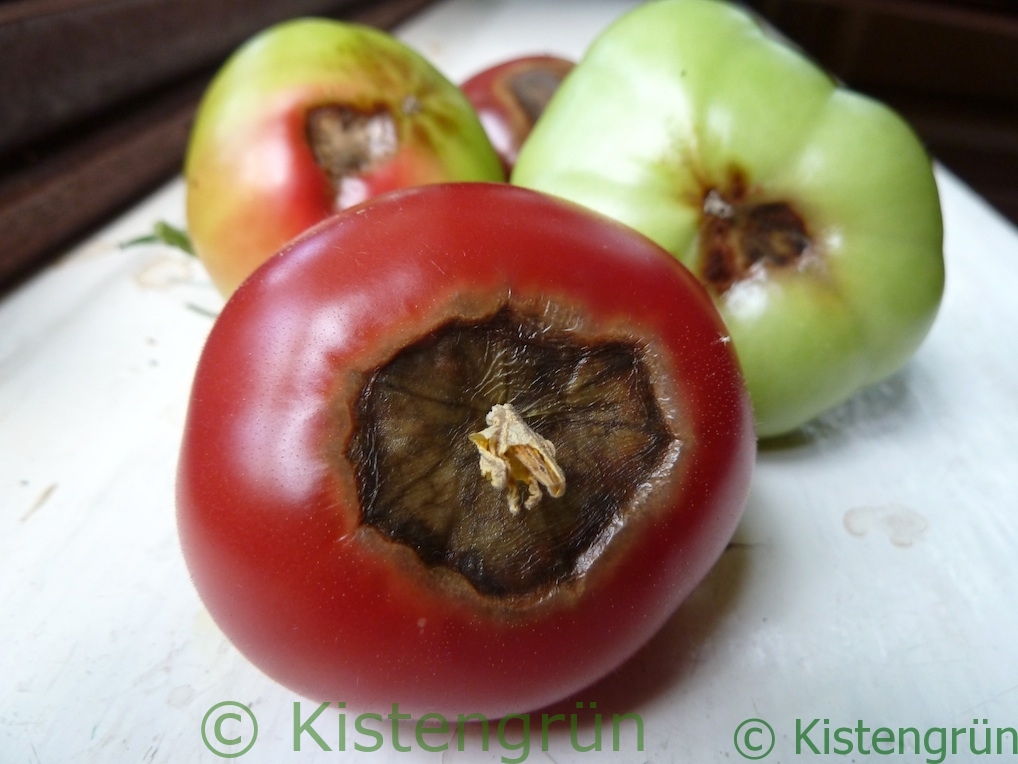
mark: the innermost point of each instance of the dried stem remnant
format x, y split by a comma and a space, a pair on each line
512, 453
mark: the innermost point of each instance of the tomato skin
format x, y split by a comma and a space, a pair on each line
270, 528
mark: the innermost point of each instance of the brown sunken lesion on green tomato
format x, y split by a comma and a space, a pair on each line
347, 141
421, 482
739, 235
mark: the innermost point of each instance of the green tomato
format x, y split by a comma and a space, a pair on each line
809, 212
310, 117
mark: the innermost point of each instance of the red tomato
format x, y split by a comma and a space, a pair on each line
343, 381
510, 97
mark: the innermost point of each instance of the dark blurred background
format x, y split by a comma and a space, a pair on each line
97, 96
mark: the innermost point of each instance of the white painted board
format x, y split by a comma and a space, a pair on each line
874, 580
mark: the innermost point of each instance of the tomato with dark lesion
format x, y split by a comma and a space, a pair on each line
810, 212
312, 116
511, 96
460, 461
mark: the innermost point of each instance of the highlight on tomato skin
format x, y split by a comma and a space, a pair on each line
368, 500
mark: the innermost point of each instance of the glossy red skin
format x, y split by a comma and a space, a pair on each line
270, 533
506, 124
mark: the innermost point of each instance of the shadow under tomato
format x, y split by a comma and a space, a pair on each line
883, 407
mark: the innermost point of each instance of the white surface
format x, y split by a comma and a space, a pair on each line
874, 578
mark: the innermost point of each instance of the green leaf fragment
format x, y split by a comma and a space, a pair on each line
164, 233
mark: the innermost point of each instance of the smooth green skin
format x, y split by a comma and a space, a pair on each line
678, 92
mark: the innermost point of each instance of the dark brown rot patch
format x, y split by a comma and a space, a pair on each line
418, 468
738, 234
533, 86
347, 142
